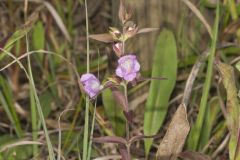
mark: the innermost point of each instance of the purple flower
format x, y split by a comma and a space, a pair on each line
91, 84
128, 67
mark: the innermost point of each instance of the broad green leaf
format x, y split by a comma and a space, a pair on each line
227, 74
114, 112
164, 65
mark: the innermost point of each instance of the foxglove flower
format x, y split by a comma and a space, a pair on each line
128, 67
91, 84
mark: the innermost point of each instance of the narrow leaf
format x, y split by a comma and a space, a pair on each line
38, 36
147, 30
194, 138
110, 139
227, 74
38, 39
105, 37
6, 100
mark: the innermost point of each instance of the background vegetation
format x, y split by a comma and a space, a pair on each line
44, 51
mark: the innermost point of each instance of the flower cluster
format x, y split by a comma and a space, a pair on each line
128, 68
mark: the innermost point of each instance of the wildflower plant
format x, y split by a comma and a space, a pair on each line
127, 73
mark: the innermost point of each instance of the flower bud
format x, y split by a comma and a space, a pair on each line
118, 49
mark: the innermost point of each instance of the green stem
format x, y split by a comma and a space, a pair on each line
91, 133
127, 123
38, 104
86, 127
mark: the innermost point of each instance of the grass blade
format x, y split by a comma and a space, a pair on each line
195, 133
211, 116
6, 99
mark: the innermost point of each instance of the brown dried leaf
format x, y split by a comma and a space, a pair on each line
227, 74
140, 137
189, 155
110, 139
146, 30
121, 10
174, 139
123, 14
105, 37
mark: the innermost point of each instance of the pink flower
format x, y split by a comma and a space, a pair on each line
91, 84
128, 67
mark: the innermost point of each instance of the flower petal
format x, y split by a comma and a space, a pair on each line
86, 76
124, 58
136, 66
119, 72
91, 84
92, 94
130, 77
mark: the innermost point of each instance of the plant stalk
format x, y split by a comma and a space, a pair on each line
127, 124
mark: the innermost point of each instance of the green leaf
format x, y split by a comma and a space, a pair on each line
38, 38
211, 116
6, 100
164, 65
194, 137
114, 112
